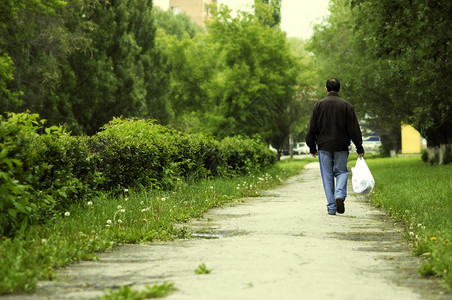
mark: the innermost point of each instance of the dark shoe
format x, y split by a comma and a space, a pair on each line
340, 206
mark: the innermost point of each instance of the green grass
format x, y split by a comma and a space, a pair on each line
421, 196
136, 216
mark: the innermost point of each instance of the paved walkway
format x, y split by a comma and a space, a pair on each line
283, 246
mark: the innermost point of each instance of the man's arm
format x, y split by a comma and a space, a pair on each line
311, 135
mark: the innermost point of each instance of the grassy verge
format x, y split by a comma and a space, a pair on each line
136, 216
420, 195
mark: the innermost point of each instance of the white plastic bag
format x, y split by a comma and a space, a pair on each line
362, 180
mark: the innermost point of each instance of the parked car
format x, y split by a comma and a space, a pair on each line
302, 148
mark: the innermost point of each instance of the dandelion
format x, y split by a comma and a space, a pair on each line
119, 207
163, 199
411, 233
419, 225
126, 199
43, 241
447, 241
119, 221
126, 190
211, 187
141, 203
144, 220
433, 238
90, 203
122, 210
109, 222
67, 214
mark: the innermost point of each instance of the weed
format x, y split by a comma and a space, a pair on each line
202, 269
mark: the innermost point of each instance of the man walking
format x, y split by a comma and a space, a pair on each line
333, 124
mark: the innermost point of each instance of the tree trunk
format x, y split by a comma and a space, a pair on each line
441, 154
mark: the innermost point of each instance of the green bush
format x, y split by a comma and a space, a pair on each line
241, 155
42, 171
136, 152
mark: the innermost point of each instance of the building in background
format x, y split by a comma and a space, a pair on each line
197, 10
412, 142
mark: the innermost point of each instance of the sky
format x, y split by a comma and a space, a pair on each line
297, 16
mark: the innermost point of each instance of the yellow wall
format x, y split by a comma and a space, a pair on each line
411, 140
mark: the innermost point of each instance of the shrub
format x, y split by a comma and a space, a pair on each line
42, 170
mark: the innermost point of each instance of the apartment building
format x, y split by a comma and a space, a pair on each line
195, 9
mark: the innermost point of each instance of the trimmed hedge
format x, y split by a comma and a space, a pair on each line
43, 171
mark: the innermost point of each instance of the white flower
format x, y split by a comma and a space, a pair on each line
126, 190
141, 202
109, 222
122, 210
163, 199
119, 221
119, 207
90, 203
43, 241
143, 210
126, 199
67, 214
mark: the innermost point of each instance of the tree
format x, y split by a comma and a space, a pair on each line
33, 46
256, 75
419, 64
268, 12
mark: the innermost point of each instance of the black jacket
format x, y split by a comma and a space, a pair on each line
333, 124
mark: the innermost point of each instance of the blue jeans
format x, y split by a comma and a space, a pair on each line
334, 165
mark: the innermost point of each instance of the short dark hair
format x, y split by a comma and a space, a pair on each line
333, 85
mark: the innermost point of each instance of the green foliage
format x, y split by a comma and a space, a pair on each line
419, 195
126, 292
43, 170
244, 155
255, 78
142, 153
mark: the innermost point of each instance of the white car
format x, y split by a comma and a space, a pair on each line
302, 148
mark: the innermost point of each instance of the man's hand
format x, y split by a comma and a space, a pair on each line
361, 155
314, 155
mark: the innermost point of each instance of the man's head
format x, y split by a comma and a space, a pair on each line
333, 85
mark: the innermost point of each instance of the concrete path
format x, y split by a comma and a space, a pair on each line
283, 246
